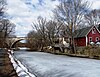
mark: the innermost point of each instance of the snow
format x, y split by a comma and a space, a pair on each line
98, 43
19, 68
23, 48
49, 65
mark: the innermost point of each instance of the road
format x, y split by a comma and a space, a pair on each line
49, 65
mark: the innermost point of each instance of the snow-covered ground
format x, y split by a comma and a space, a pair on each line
49, 65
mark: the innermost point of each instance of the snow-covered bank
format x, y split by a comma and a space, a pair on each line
19, 68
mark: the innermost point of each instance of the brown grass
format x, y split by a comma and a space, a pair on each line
6, 70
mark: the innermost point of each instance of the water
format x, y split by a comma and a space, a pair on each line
49, 65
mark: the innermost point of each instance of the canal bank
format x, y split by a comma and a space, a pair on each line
6, 68
20, 69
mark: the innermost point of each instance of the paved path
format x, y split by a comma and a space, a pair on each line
49, 65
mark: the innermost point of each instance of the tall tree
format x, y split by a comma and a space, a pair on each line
40, 28
71, 12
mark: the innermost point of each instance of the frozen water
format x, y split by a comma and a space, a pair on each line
49, 65
20, 69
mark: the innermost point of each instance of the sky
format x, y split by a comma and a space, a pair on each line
23, 12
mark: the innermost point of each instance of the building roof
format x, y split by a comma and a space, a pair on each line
82, 32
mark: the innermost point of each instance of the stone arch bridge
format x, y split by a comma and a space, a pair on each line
11, 41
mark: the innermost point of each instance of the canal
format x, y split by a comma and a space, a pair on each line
50, 65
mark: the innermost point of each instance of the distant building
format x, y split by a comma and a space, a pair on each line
85, 36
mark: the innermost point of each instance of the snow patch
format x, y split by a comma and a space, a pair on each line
20, 69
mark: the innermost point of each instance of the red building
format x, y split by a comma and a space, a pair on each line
84, 36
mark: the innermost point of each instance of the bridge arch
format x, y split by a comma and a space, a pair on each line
11, 41
15, 42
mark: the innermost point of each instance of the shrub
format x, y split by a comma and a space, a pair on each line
89, 50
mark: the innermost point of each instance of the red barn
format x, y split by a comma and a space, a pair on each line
84, 36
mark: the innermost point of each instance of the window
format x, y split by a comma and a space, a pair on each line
90, 39
97, 39
93, 31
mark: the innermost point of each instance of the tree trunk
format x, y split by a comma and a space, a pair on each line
73, 49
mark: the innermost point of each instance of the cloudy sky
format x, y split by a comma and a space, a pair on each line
23, 12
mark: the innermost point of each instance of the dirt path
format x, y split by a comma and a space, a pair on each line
6, 68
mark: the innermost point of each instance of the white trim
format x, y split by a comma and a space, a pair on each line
89, 30
92, 28
94, 31
86, 40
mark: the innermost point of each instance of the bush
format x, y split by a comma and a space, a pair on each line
90, 51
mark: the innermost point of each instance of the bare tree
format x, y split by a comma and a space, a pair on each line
93, 18
40, 29
53, 29
71, 12
2, 8
31, 42
44, 32
6, 27
6, 30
